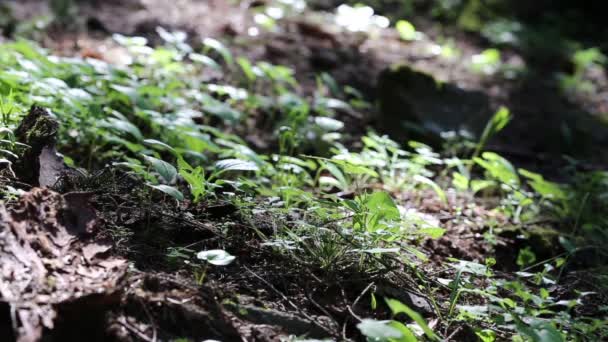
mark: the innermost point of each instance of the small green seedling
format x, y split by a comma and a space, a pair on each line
216, 257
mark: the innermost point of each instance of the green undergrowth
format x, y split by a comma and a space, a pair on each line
255, 140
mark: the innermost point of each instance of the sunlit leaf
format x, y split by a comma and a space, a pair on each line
217, 46
406, 30
236, 165
378, 330
398, 307
329, 124
427, 181
217, 257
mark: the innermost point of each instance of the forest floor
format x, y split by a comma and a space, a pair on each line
103, 245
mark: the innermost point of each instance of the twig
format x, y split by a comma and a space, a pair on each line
320, 307
134, 330
353, 313
363, 293
350, 308
454, 333
311, 319
149, 318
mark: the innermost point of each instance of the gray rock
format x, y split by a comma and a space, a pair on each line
413, 105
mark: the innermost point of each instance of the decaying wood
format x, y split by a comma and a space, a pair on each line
48, 266
40, 165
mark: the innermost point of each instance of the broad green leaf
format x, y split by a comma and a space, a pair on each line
406, 334
167, 171
330, 181
470, 267
236, 165
123, 126
486, 335
159, 145
381, 204
538, 330
247, 68
219, 109
432, 232
337, 173
398, 307
353, 169
169, 190
499, 168
525, 257
543, 187
459, 181
480, 184
378, 330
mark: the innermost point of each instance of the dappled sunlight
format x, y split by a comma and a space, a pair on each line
303, 170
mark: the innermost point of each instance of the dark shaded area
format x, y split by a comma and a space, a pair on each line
415, 106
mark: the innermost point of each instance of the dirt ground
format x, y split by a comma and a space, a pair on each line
104, 298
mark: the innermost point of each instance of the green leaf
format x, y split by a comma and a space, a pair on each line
195, 178
236, 165
329, 124
169, 190
167, 171
247, 68
219, 109
204, 60
500, 119
568, 245
460, 181
378, 330
487, 61
543, 187
379, 250
470, 267
123, 126
480, 184
407, 334
381, 204
406, 30
433, 185
159, 145
432, 232
374, 302
337, 173
398, 307
538, 330
218, 47
525, 257
353, 169
499, 168
486, 335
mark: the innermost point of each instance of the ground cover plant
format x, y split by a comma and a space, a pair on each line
193, 192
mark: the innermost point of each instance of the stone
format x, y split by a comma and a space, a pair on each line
414, 105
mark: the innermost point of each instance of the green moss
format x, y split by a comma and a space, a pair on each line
44, 129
